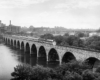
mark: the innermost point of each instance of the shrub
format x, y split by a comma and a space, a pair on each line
72, 76
21, 72
89, 75
41, 73
74, 66
70, 71
98, 69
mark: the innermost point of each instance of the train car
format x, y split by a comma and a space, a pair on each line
47, 41
41, 40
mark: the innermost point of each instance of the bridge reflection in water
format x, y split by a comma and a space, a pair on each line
32, 59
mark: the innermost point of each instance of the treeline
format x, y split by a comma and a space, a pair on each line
70, 71
75, 40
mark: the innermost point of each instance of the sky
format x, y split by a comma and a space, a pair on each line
77, 14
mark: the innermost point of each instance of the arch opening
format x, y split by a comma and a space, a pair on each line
67, 57
8, 41
53, 58
53, 55
11, 42
15, 43
34, 50
22, 46
92, 62
42, 52
42, 60
27, 55
18, 44
33, 57
27, 48
4, 39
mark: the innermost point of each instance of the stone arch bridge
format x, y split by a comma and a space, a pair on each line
50, 52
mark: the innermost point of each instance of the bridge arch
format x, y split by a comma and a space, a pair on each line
92, 61
11, 42
8, 41
33, 56
53, 55
42, 52
42, 58
68, 56
34, 50
18, 44
27, 48
15, 43
4, 39
22, 46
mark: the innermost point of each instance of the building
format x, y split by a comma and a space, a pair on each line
13, 29
94, 34
2, 27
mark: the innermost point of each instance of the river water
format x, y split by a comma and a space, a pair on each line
10, 57
8, 60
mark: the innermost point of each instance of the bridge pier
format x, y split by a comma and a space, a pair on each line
60, 62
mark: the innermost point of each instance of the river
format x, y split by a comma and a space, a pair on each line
10, 57
8, 60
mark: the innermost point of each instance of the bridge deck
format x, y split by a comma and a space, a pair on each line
57, 46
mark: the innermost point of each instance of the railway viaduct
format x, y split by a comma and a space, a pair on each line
50, 52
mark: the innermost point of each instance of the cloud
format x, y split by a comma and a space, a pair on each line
18, 3
78, 4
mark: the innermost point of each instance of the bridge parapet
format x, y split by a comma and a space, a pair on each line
55, 46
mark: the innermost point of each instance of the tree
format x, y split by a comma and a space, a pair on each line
66, 34
26, 72
74, 70
42, 73
59, 39
80, 34
93, 42
22, 72
47, 36
73, 66
98, 70
89, 75
72, 76
73, 41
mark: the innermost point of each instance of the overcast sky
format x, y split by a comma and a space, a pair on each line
50, 13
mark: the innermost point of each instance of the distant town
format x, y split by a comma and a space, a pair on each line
38, 31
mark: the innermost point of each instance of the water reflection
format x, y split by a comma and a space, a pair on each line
10, 57
7, 62
42, 61
33, 59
